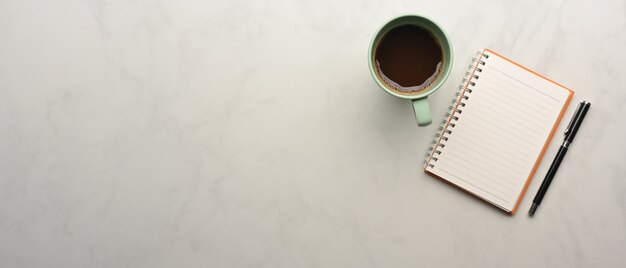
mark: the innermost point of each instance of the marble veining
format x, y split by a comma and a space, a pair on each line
250, 134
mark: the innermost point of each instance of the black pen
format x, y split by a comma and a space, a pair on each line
570, 132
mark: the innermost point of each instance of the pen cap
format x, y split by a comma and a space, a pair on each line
574, 125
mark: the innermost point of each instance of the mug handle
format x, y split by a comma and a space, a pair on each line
422, 111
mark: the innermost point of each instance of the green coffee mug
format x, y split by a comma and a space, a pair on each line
419, 99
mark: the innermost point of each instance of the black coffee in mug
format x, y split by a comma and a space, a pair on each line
409, 58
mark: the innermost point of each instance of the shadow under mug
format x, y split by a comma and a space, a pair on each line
420, 98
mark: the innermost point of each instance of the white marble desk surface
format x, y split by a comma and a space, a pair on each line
250, 134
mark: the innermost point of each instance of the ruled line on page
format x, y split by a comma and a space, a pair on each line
506, 115
500, 123
485, 186
492, 159
513, 165
536, 107
502, 145
513, 144
523, 83
477, 187
496, 107
487, 179
522, 92
533, 115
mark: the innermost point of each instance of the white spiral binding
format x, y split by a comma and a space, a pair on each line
451, 118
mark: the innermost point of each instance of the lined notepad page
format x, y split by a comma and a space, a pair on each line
500, 135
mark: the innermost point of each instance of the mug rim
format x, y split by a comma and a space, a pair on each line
441, 79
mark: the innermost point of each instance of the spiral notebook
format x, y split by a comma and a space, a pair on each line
497, 129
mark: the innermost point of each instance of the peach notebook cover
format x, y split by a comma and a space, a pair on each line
497, 130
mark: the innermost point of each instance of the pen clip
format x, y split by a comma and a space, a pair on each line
569, 126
